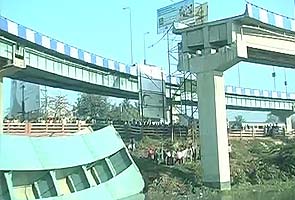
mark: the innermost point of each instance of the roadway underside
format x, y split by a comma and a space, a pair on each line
41, 77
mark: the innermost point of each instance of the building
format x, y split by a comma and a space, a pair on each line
24, 99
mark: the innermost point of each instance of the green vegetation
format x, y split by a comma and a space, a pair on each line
239, 120
90, 106
261, 161
260, 164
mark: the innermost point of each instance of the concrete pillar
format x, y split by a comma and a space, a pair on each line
288, 121
1, 105
286, 117
89, 177
55, 184
213, 130
8, 178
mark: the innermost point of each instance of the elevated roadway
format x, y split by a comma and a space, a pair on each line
33, 57
209, 49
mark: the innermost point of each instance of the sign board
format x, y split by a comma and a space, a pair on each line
152, 97
153, 105
185, 12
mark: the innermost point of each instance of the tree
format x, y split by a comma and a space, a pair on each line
92, 106
129, 111
115, 112
239, 120
58, 107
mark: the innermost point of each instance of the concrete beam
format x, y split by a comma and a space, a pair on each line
213, 131
223, 59
268, 47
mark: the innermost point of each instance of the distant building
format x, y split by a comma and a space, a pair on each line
27, 92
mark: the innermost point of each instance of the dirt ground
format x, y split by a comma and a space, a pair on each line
252, 162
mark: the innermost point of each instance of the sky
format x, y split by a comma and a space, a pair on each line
102, 27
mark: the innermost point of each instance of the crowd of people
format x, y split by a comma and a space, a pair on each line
173, 156
268, 129
273, 129
147, 123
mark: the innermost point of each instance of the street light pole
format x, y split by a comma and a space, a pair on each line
239, 75
170, 92
274, 79
144, 47
285, 82
23, 102
130, 26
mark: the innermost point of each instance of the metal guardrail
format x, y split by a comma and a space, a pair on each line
247, 133
43, 129
150, 130
182, 131
59, 129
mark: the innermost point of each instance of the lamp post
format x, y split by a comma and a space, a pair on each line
23, 102
130, 26
239, 75
274, 79
144, 47
285, 82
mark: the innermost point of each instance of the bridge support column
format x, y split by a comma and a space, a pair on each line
1, 104
213, 130
288, 122
286, 117
8, 179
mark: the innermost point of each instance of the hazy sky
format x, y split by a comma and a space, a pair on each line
102, 27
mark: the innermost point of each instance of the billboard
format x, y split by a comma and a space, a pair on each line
31, 97
154, 105
186, 12
152, 97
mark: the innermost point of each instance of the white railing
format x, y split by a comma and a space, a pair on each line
43, 129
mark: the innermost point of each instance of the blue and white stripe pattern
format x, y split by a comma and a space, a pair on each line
49, 43
269, 17
246, 91
258, 93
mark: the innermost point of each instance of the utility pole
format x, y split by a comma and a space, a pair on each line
44, 108
164, 96
144, 47
130, 30
170, 92
285, 82
274, 78
239, 75
141, 101
23, 101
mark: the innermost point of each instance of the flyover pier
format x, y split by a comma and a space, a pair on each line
286, 117
210, 49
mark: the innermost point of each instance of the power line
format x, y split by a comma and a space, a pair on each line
161, 37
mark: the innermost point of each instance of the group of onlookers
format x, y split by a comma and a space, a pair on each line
173, 156
272, 129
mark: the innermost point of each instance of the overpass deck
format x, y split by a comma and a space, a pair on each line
50, 62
